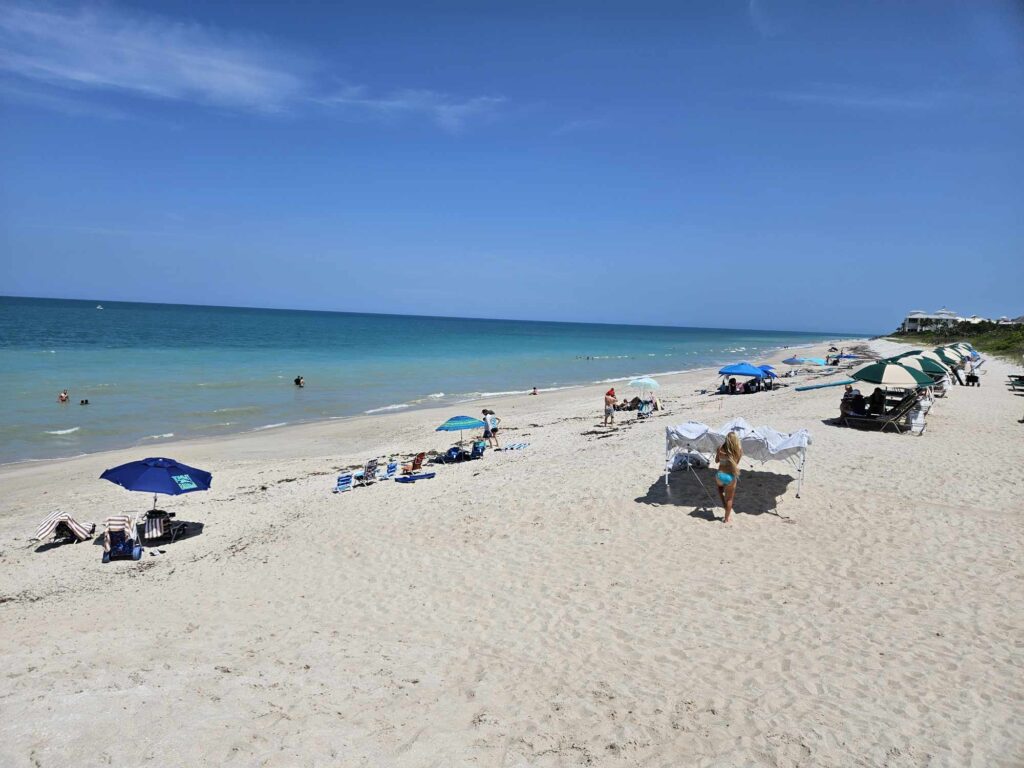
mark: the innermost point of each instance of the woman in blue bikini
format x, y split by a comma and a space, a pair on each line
728, 458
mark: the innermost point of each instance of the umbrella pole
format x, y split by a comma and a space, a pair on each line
154, 502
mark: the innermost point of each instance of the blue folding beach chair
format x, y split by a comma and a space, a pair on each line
478, 450
120, 540
344, 483
390, 472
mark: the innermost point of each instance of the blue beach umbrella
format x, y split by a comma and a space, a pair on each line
460, 423
159, 475
742, 369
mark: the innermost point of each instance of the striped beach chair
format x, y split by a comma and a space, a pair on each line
390, 471
344, 483
120, 540
159, 525
60, 526
367, 474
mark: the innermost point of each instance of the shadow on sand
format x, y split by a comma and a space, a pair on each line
758, 493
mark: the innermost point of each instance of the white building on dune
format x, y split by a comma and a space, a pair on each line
918, 319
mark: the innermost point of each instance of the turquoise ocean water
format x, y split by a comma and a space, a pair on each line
156, 371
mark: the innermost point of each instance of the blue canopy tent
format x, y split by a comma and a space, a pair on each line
769, 371
742, 369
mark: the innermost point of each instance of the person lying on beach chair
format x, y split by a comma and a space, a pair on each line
160, 525
415, 465
62, 527
119, 539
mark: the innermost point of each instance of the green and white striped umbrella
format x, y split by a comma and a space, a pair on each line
947, 357
955, 351
892, 375
910, 362
935, 359
928, 365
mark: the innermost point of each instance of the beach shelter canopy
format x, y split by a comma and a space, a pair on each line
459, 423
644, 382
769, 371
761, 444
814, 360
887, 374
159, 475
742, 369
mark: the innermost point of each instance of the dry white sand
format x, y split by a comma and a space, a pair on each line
550, 607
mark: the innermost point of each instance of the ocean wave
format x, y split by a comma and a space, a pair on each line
237, 409
270, 426
158, 437
395, 407
62, 431
436, 395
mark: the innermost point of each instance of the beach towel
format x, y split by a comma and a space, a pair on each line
414, 478
124, 523
156, 527
48, 527
513, 447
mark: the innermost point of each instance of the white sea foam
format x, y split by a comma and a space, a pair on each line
158, 437
270, 426
62, 431
396, 407
436, 395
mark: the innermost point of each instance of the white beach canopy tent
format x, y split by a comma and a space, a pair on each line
759, 444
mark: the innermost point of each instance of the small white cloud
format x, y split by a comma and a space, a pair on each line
760, 20
576, 126
447, 112
850, 97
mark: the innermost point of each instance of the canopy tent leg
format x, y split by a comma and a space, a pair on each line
800, 473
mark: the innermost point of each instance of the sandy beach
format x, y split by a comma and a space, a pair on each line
552, 606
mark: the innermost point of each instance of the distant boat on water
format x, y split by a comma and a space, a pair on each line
99, 306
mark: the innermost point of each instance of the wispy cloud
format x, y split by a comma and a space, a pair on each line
147, 56
59, 102
761, 21
851, 97
447, 112
577, 126
58, 56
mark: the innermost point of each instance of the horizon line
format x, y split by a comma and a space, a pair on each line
438, 317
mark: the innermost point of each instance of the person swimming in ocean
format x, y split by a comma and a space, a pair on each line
299, 381
728, 458
62, 397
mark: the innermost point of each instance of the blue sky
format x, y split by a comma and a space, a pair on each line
760, 164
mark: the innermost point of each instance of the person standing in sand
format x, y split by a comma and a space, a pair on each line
491, 422
609, 407
728, 458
